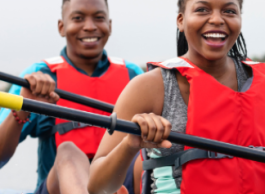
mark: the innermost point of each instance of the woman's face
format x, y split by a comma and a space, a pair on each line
210, 26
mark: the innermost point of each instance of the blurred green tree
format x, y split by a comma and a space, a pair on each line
260, 59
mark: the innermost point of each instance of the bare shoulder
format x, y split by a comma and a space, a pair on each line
144, 94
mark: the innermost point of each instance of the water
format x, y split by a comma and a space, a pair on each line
19, 174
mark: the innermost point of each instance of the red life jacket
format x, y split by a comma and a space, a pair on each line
219, 113
106, 88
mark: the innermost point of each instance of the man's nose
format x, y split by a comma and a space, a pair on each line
90, 25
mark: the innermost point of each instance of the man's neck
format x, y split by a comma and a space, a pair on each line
86, 64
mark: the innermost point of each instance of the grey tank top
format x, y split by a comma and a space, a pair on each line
175, 111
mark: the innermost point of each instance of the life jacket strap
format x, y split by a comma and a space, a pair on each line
69, 126
180, 158
66, 127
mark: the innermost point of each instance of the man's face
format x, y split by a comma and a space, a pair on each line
86, 26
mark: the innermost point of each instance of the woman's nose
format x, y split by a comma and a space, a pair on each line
216, 18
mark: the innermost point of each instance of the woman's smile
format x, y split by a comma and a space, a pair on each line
211, 27
215, 39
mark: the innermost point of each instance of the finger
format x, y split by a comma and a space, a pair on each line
151, 127
146, 144
165, 144
40, 82
53, 97
159, 129
32, 81
142, 124
167, 126
45, 91
52, 83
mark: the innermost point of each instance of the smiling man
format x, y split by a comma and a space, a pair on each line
82, 68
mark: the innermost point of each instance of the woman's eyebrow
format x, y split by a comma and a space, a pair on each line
203, 2
230, 3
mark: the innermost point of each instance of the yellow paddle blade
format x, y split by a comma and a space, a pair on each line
11, 101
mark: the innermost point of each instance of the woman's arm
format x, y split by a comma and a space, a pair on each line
145, 94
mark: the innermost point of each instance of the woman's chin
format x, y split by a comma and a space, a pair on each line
214, 56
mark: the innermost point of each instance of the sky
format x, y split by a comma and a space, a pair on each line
143, 30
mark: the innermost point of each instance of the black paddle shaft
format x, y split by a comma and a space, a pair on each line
63, 94
133, 128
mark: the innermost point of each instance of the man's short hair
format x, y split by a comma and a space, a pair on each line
64, 1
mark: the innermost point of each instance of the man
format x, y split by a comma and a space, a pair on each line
83, 68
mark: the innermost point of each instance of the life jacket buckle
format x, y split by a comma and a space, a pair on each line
77, 125
216, 155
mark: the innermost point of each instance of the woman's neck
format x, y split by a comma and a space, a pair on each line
219, 69
223, 69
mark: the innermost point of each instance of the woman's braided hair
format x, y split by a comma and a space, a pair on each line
238, 51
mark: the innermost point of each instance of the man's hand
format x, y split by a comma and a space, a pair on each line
42, 88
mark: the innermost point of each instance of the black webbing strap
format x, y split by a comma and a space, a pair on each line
66, 127
146, 176
180, 158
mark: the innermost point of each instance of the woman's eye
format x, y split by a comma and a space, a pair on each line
230, 11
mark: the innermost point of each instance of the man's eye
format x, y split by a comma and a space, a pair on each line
77, 18
100, 17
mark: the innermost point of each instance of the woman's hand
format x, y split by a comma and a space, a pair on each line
42, 88
155, 130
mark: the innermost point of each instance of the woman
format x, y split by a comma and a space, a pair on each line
206, 92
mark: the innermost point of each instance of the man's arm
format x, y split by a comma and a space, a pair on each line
11, 133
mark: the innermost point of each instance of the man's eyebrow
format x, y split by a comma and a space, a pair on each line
77, 12
207, 3
99, 12
80, 12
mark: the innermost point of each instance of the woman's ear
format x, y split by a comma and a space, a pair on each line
61, 28
180, 22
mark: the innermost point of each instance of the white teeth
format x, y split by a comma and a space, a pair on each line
89, 39
214, 35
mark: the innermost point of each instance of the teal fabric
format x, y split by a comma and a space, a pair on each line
163, 178
104, 64
40, 124
153, 155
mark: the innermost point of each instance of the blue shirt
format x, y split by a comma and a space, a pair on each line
40, 124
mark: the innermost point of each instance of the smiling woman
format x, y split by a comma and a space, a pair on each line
211, 90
